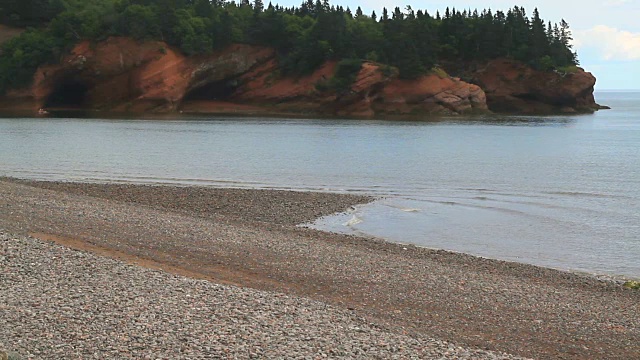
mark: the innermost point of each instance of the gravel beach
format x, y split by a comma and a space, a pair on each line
226, 273
64, 304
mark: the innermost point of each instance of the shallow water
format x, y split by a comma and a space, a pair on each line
557, 191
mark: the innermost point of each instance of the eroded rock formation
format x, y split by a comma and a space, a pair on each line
375, 91
513, 87
122, 75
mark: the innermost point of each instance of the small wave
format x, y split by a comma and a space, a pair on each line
452, 203
353, 222
477, 189
403, 208
582, 194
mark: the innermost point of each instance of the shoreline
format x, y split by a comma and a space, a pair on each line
305, 221
400, 287
221, 108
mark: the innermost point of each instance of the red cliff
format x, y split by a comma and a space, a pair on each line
375, 91
513, 87
122, 75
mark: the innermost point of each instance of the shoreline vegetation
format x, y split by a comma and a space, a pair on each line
414, 42
370, 298
318, 58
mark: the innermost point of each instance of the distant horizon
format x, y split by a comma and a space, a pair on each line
616, 90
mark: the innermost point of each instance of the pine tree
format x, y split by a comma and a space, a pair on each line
258, 6
539, 44
385, 15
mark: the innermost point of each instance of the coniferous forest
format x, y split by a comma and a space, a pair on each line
305, 36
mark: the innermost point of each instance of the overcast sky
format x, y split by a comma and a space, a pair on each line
606, 32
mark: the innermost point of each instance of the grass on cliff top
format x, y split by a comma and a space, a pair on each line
572, 69
439, 72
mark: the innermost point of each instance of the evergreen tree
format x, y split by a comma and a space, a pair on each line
304, 36
539, 43
358, 12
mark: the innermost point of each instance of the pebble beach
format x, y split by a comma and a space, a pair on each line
164, 272
65, 304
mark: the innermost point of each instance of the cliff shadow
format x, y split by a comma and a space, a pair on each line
68, 94
216, 91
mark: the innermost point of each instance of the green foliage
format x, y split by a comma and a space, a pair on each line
345, 74
571, 69
438, 71
371, 56
388, 71
140, 22
29, 12
192, 34
544, 63
635, 285
410, 42
21, 56
73, 26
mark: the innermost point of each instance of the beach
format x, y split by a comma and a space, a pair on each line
159, 265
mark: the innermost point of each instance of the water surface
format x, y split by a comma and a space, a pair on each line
557, 191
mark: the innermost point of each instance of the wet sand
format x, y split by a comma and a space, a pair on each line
249, 238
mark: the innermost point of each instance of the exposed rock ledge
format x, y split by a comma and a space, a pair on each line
122, 75
513, 87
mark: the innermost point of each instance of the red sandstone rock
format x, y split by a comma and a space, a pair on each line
433, 94
514, 87
120, 74
372, 93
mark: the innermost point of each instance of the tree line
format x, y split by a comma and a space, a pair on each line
304, 36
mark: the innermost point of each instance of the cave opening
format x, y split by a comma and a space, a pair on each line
69, 93
219, 90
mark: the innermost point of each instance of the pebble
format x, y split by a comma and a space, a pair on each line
89, 307
473, 302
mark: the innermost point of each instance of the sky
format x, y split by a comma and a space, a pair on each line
606, 32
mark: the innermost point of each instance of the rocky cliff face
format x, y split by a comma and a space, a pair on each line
375, 91
122, 75
513, 87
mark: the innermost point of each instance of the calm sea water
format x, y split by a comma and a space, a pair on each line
558, 191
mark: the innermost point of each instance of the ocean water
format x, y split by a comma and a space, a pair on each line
555, 191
